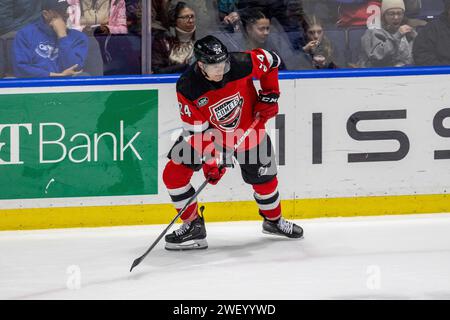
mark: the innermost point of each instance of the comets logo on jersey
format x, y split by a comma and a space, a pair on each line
226, 114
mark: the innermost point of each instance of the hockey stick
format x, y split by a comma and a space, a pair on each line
203, 185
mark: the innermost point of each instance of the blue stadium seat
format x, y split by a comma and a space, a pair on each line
121, 54
354, 44
431, 9
338, 38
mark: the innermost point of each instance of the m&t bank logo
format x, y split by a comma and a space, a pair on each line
54, 145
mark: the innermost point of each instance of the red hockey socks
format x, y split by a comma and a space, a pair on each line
177, 179
268, 199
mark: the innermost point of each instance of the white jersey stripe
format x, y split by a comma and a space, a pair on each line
270, 58
265, 196
269, 206
178, 191
181, 204
197, 127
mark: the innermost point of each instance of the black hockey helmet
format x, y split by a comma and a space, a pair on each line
210, 50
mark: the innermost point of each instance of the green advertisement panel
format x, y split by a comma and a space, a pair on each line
78, 144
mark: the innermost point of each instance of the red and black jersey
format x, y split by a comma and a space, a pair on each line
227, 105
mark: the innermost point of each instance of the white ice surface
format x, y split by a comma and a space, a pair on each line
389, 257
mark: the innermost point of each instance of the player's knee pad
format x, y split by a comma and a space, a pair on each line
183, 152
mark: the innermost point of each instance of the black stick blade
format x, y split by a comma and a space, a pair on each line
135, 263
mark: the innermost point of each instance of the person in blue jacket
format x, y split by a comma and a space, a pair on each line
47, 48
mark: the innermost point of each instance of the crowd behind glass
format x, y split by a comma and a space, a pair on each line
105, 37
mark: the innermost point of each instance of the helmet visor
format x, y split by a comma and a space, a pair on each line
213, 69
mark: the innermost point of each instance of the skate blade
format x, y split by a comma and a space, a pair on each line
188, 245
280, 235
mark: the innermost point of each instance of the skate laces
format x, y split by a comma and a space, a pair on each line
285, 226
184, 227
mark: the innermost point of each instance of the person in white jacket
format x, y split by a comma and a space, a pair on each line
390, 46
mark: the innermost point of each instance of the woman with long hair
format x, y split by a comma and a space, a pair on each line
318, 46
258, 31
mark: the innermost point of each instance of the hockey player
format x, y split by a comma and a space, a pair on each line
218, 102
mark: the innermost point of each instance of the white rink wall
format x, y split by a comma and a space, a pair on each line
398, 128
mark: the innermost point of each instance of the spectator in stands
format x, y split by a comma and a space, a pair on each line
98, 16
47, 47
273, 9
172, 53
390, 46
256, 29
207, 16
14, 14
318, 47
259, 32
432, 45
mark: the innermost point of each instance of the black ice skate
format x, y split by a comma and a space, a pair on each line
190, 236
282, 227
